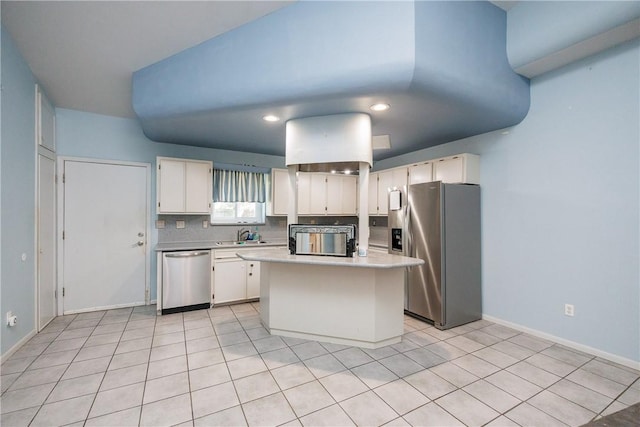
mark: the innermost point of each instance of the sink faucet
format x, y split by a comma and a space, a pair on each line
242, 232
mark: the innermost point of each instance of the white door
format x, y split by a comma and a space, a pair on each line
46, 243
104, 235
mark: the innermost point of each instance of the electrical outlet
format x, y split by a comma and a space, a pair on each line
568, 310
205, 223
160, 223
180, 223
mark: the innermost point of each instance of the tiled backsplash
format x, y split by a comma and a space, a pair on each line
275, 228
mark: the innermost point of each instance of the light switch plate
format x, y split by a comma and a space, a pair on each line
160, 223
180, 223
205, 223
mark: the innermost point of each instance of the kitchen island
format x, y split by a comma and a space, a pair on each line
355, 301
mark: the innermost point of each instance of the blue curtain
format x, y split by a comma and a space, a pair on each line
238, 186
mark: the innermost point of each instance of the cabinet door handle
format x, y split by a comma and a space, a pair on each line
250, 274
185, 254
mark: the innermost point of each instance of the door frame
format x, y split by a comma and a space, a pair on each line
60, 220
51, 156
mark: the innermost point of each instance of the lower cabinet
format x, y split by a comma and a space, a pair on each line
234, 279
229, 280
252, 269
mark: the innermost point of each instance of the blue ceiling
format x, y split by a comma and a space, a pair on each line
442, 66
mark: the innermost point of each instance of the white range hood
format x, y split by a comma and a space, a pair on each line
329, 139
341, 139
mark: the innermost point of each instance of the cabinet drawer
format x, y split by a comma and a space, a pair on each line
225, 254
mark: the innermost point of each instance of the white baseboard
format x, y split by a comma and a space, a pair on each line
153, 301
571, 344
33, 333
106, 307
17, 346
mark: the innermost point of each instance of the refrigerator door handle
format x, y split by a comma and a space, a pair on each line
407, 226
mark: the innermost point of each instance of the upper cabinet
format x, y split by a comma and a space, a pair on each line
342, 195
420, 173
327, 194
45, 121
279, 192
318, 193
379, 185
312, 193
184, 186
461, 168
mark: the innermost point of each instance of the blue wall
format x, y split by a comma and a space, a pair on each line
88, 135
560, 205
560, 197
17, 183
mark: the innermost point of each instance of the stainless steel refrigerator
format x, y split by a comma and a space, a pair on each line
439, 223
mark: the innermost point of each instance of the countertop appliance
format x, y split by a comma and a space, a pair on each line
327, 240
439, 223
186, 281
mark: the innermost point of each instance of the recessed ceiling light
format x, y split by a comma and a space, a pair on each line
270, 118
380, 107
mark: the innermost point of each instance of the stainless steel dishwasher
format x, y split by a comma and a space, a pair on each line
186, 281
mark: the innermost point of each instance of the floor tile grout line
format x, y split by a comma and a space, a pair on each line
104, 375
42, 405
244, 413
418, 345
281, 391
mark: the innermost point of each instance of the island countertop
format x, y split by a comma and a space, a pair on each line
220, 244
373, 260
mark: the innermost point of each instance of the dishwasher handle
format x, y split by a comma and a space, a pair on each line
185, 254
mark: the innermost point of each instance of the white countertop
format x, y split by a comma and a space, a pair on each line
189, 246
373, 260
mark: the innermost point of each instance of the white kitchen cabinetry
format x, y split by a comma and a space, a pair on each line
327, 194
421, 173
461, 168
45, 121
230, 282
379, 185
279, 192
318, 193
234, 279
312, 194
253, 279
184, 186
373, 193
342, 195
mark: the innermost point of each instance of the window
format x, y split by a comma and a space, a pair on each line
238, 213
238, 197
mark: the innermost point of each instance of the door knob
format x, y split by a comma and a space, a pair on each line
140, 243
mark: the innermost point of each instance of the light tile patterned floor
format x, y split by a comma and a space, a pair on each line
127, 367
